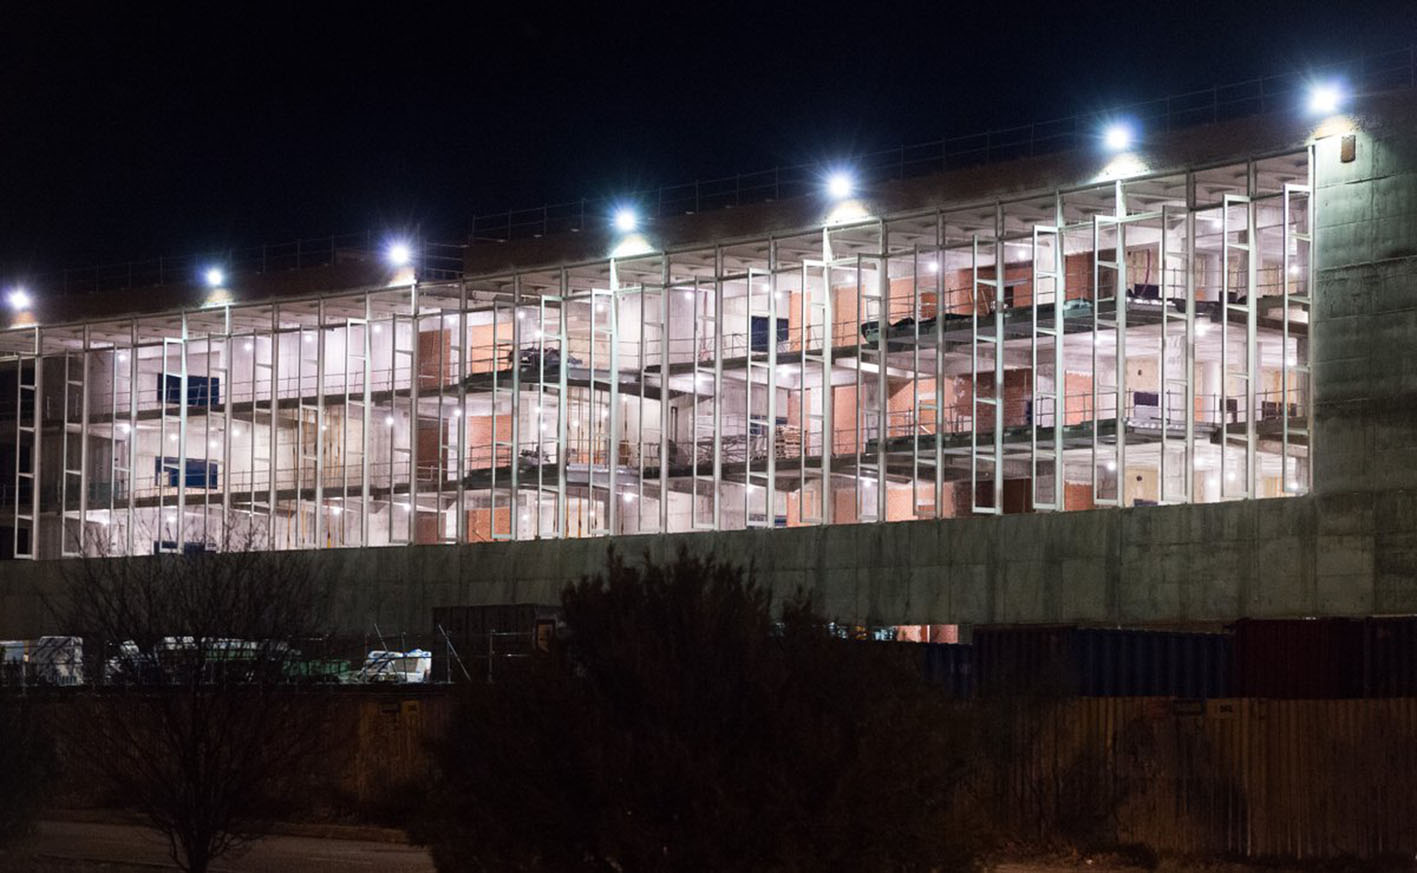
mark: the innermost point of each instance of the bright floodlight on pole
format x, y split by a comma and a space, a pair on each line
1118, 136
19, 299
840, 185
214, 277
626, 219
399, 254
1325, 98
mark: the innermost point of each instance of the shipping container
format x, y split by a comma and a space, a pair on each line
951, 666
1299, 659
1326, 658
1100, 662
1390, 657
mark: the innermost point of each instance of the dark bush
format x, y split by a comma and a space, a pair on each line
26, 760
677, 726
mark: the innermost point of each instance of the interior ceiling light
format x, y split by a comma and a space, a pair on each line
1325, 98
1118, 137
840, 185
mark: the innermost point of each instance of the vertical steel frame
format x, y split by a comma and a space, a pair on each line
1238, 242
1177, 373
28, 395
987, 293
1295, 373
1114, 460
1046, 422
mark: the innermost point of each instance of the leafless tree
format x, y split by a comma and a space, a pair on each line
192, 718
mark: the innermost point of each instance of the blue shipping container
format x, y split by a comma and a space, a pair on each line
1101, 662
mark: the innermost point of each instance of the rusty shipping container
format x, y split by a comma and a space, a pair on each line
1298, 659
1326, 658
1100, 662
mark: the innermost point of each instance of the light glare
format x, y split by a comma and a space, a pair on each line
1324, 99
400, 254
19, 298
840, 185
626, 219
214, 277
1118, 137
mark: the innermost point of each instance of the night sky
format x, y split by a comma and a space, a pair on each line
129, 131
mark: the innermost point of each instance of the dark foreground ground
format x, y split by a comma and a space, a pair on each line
87, 847
63, 846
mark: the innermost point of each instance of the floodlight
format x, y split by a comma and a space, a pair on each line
840, 184
214, 277
19, 299
399, 254
1325, 98
626, 219
1117, 137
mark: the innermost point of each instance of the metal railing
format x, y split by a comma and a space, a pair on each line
436, 261
1369, 73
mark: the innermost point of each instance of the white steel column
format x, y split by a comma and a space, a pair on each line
513, 506
666, 298
1241, 302
273, 436
73, 449
320, 538
460, 467
988, 292
942, 312
1048, 285
1295, 374
815, 416
132, 516
414, 369
718, 350
562, 425
28, 395
1105, 230
1177, 355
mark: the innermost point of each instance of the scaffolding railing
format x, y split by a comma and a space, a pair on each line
737, 444
436, 261
1367, 73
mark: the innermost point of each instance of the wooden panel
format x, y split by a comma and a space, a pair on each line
435, 358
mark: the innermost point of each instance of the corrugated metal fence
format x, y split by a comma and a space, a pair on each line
1295, 778
1247, 777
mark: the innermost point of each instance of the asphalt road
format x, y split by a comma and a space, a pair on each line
131, 845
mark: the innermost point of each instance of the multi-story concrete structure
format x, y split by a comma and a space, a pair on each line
1213, 320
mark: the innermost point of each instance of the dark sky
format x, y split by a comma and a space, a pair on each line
134, 130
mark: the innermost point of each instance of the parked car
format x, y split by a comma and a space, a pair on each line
413, 666
49, 660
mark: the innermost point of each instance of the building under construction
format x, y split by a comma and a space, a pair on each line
1101, 327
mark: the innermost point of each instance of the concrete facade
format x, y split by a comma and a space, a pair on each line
1349, 555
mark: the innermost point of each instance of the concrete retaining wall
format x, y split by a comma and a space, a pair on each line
1351, 554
